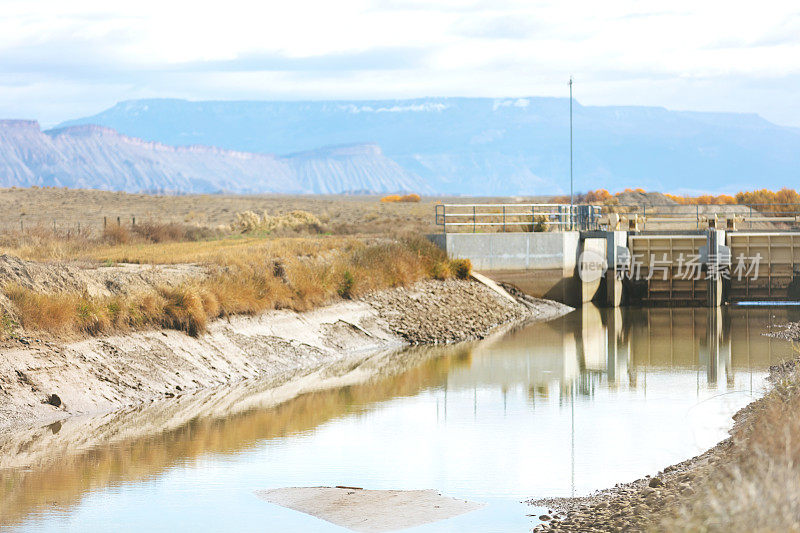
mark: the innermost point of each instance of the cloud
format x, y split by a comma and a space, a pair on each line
75, 55
383, 58
504, 27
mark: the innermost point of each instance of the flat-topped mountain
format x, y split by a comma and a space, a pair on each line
493, 146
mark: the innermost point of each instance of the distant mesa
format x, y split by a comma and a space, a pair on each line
99, 157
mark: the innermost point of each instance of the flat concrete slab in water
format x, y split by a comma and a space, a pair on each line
369, 511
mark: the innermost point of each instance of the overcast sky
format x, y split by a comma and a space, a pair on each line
64, 59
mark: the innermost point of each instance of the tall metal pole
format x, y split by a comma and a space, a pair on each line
571, 191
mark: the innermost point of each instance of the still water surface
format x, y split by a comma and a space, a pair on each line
553, 409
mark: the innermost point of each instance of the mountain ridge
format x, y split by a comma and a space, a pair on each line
494, 146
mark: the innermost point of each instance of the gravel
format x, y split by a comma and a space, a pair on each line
788, 332
444, 312
635, 506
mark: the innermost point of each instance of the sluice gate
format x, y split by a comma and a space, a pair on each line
666, 269
779, 267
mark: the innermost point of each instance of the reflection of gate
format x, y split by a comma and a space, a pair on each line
777, 268
665, 260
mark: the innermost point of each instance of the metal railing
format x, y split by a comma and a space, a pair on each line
488, 218
701, 216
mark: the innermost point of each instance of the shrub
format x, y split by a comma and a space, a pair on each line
394, 198
183, 310
116, 234
345, 289
246, 221
297, 274
462, 268
171, 232
293, 221
440, 270
92, 316
51, 312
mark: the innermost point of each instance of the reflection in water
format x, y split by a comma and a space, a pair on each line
534, 412
594, 347
53, 466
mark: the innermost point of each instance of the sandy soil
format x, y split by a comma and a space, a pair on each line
369, 511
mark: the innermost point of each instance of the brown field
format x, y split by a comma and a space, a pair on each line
69, 208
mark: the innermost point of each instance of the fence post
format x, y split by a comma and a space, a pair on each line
533, 218
444, 218
105, 223
133, 220
54, 225
504, 219
473, 219
119, 222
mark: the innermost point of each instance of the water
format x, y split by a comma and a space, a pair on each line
554, 409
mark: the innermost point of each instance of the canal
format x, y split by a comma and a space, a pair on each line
594, 398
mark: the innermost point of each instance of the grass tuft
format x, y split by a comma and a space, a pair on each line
462, 268
183, 310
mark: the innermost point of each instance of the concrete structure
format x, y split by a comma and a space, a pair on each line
542, 264
692, 267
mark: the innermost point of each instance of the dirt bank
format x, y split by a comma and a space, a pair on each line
43, 381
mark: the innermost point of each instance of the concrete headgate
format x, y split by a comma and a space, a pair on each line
675, 267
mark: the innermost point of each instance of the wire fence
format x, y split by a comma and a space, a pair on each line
67, 227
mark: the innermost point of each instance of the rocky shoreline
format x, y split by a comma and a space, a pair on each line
633, 506
43, 381
444, 312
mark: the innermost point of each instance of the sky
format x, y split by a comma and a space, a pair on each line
61, 60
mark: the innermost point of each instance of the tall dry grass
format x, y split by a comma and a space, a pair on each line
296, 274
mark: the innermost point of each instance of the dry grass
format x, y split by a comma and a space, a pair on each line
69, 209
298, 274
756, 486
